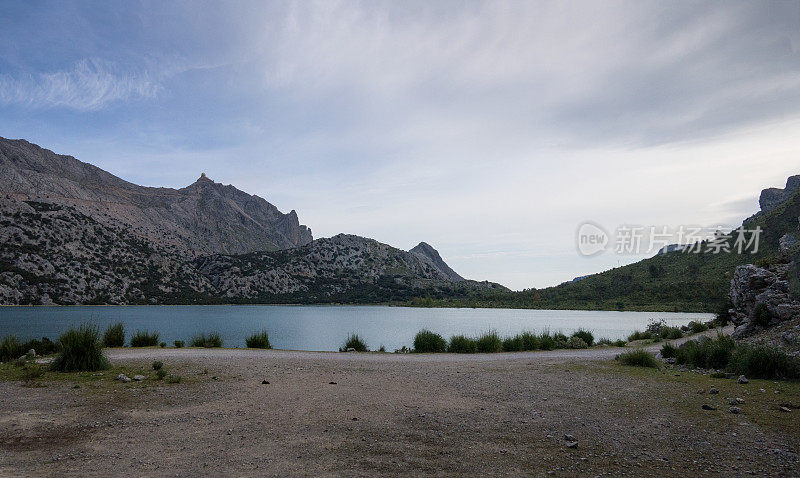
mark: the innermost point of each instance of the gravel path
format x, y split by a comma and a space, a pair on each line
350, 414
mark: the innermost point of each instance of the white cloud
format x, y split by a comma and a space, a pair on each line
90, 85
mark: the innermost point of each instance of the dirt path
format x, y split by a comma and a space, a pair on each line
383, 414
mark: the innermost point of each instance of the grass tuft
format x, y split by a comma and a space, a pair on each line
10, 348
354, 342
143, 338
668, 350
489, 342
429, 342
80, 350
114, 335
259, 340
638, 358
461, 344
211, 340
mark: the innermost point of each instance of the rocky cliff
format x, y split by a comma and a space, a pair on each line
772, 197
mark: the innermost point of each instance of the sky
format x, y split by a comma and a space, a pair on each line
490, 130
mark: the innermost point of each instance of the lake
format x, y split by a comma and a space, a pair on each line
325, 327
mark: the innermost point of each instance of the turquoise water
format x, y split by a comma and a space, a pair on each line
325, 327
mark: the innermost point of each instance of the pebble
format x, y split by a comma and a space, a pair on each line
713, 391
742, 379
708, 407
736, 410
138, 378
264, 382
123, 378
785, 409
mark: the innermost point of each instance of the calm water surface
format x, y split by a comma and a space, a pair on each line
325, 327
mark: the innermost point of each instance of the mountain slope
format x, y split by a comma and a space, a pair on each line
54, 254
426, 252
71, 233
205, 217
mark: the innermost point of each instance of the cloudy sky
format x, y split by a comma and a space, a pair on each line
490, 130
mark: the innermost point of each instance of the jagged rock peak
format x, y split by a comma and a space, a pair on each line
771, 197
204, 178
426, 251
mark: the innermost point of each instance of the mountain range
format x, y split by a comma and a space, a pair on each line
75, 234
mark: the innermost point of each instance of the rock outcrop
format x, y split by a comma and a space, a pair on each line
428, 253
772, 197
762, 298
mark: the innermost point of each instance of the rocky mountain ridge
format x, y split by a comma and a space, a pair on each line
202, 218
73, 234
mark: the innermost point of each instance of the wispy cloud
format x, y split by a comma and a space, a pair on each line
89, 86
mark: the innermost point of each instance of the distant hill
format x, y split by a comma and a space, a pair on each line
673, 280
71, 233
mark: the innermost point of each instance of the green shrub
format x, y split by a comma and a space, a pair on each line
706, 352
80, 350
174, 379
161, 373
429, 342
31, 371
546, 341
259, 340
638, 358
10, 348
761, 315
719, 351
561, 340
114, 335
529, 341
639, 335
178, 344
586, 336
158, 365
668, 350
42, 347
354, 342
576, 343
163, 345
696, 327
211, 340
513, 344
489, 342
143, 338
620, 343
461, 344
670, 333
763, 362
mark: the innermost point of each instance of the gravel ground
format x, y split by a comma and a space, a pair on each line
367, 414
